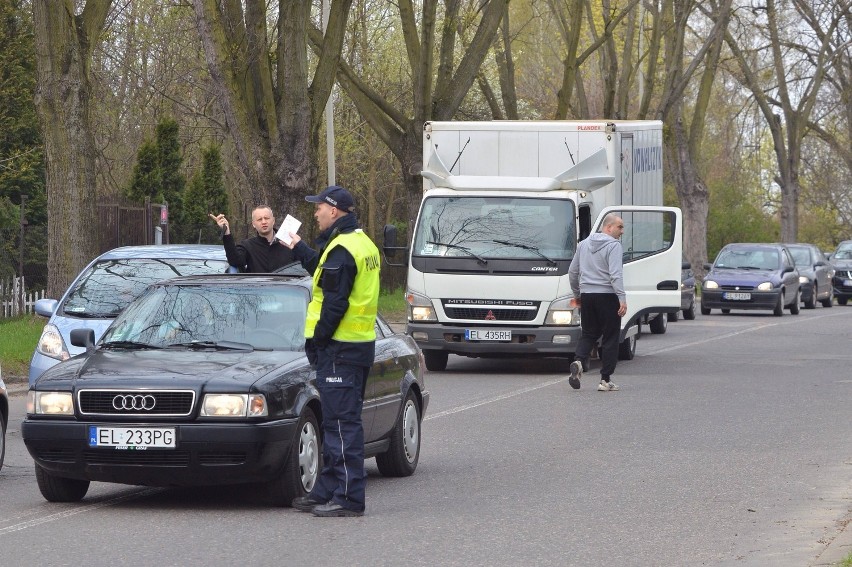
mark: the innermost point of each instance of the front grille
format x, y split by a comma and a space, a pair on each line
737, 287
216, 458
494, 312
56, 455
844, 274
171, 403
156, 458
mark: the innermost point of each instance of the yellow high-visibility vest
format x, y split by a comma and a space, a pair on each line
358, 323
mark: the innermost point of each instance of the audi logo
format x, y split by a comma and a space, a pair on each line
137, 402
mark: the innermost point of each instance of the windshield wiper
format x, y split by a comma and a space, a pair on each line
91, 315
128, 345
479, 258
219, 345
752, 268
526, 247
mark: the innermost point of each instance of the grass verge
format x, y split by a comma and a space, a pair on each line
18, 338
392, 305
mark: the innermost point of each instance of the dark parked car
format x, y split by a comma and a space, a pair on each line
203, 380
751, 276
4, 418
815, 273
687, 293
842, 281
107, 285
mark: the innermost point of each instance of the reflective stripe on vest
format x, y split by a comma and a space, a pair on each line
358, 323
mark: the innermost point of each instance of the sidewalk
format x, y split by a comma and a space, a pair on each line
839, 548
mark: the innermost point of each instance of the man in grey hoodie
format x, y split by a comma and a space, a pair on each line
597, 281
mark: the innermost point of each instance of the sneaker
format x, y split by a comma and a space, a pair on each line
576, 374
607, 387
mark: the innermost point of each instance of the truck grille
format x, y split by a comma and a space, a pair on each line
172, 403
492, 313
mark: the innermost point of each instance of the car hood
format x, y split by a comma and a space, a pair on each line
741, 277
169, 368
842, 264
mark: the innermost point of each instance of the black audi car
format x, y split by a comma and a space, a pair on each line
203, 380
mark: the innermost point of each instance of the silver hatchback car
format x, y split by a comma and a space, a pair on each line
107, 285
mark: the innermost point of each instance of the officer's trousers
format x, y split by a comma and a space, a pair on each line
343, 478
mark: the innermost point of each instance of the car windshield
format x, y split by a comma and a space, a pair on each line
748, 258
801, 256
108, 286
844, 253
265, 318
496, 227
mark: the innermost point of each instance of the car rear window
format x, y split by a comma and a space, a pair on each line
108, 286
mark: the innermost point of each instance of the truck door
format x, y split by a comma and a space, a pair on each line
653, 249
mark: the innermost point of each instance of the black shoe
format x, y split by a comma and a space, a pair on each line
305, 503
334, 510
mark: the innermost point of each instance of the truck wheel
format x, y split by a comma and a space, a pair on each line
673, 317
627, 348
404, 450
303, 464
60, 489
658, 324
436, 360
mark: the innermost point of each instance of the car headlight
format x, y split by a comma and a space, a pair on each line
51, 344
419, 308
50, 403
234, 405
562, 312
710, 284
765, 286
803, 280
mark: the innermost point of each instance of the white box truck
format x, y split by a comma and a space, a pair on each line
504, 205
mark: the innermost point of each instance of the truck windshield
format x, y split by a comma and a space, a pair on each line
496, 227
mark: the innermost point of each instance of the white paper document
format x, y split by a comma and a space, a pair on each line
289, 225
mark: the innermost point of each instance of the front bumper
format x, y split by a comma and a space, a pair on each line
205, 453
715, 299
525, 340
840, 288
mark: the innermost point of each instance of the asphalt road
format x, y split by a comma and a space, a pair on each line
730, 443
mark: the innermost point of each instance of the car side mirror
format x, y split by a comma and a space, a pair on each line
708, 266
787, 269
84, 338
389, 245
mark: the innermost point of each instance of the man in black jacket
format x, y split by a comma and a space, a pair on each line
259, 254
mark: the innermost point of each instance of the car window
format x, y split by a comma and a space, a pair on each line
108, 286
801, 256
269, 317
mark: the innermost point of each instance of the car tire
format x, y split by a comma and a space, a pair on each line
841, 300
705, 310
658, 324
627, 348
436, 360
60, 489
689, 314
779, 307
812, 300
303, 465
794, 307
673, 317
726, 311
2, 439
404, 450
829, 301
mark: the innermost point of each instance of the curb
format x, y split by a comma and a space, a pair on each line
839, 549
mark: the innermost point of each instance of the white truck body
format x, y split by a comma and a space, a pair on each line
503, 208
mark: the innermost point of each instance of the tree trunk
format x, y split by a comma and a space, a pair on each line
64, 44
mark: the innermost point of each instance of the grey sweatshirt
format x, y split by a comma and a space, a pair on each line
597, 267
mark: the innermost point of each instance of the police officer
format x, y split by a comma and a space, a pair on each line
340, 340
